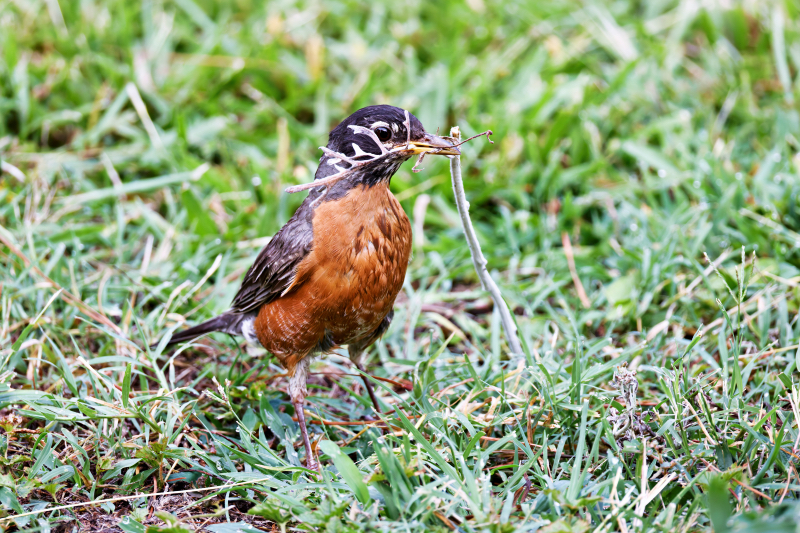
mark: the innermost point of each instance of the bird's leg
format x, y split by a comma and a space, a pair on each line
311, 463
298, 390
355, 358
371, 392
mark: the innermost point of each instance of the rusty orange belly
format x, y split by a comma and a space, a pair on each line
348, 283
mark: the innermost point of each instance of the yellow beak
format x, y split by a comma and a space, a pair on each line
433, 145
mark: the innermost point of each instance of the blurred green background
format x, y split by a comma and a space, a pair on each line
616, 122
146, 146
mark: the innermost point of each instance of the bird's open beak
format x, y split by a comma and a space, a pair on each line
433, 145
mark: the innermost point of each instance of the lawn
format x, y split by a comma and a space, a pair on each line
639, 209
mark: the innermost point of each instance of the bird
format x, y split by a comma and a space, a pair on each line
330, 276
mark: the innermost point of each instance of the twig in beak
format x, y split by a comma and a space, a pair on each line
419, 160
455, 143
324, 182
408, 129
487, 133
338, 157
354, 164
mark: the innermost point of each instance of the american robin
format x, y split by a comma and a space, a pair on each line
330, 276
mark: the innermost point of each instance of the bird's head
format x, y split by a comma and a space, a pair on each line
382, 137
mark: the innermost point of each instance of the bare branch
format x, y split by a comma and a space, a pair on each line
478, 260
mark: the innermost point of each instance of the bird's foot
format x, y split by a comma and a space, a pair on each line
314, 465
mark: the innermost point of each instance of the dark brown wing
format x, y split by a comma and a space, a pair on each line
274, 268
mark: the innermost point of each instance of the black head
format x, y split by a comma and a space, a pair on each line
382, 135
388, 123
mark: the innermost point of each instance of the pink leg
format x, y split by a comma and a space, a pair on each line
298, 391
311, 462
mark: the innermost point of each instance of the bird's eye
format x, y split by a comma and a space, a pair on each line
384, 134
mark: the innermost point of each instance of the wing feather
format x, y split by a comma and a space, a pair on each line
273, 271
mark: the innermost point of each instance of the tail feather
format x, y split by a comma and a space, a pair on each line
226, 323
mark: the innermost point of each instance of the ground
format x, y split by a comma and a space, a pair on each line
639, 211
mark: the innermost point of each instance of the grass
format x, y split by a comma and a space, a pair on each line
145, 148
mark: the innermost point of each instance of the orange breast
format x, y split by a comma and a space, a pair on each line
348, 283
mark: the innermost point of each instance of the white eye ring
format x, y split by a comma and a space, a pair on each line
378, 125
